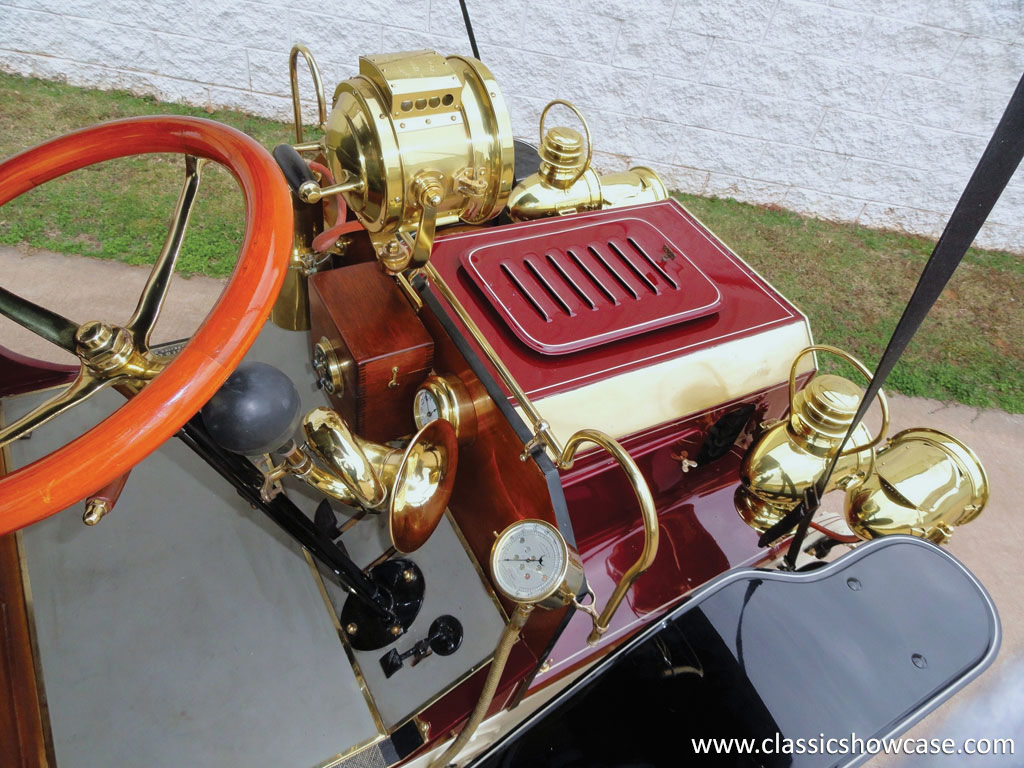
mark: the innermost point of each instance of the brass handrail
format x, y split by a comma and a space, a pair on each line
318, 84
647, 511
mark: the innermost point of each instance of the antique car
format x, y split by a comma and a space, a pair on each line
540, 453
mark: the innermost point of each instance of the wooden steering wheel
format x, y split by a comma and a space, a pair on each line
121, 356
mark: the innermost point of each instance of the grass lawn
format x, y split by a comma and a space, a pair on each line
851, 281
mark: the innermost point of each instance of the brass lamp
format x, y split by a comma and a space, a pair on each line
413, 484
419, 140
791, 455
925, 483
565, 182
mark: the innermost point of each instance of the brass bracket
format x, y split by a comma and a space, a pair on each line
428, 189
472, 182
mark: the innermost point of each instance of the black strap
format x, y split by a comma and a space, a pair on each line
998, 163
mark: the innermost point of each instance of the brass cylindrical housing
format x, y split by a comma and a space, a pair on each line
412, 121
790, 456
779, 468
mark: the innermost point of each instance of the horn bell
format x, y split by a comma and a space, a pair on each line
925, 484
423, 485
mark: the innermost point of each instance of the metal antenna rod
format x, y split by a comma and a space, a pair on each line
469, 29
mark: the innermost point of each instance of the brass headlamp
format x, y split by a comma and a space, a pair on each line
790, 456
419, 141
925, 483
565, 182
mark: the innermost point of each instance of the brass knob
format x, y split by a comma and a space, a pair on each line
95, 510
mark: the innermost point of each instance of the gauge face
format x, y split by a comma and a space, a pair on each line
529, 561
426, 408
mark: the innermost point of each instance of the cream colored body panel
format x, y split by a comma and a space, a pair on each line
631, 402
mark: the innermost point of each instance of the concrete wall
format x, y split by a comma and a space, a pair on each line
873, 111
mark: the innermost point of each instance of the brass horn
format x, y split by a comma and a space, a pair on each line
790, 455
925, 483
413, 484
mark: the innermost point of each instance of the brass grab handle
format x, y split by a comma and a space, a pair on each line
318, 84
647, 511
882, 401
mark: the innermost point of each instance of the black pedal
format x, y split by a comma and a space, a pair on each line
325, 520
444, 639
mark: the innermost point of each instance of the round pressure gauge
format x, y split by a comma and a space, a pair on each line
531, 563
445, 397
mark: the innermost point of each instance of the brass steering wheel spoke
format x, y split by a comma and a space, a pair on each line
82, 388
43, 322
140, 326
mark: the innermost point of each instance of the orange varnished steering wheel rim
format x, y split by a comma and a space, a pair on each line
143, 423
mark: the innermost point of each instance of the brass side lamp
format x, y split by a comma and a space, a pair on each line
789, 456
565, 182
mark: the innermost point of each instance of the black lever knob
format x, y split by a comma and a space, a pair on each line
294, 168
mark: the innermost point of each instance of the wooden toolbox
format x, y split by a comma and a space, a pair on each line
382, 349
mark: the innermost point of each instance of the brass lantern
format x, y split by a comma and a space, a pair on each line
925, 483
565, 182
791, 455
422, 141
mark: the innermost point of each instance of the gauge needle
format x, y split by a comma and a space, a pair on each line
538, 560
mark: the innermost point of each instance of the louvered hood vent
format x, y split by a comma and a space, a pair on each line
585, 286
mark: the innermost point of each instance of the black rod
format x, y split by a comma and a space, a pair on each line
469, 29
248, 480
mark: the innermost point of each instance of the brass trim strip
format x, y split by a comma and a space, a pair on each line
540, 426
378, 721
37, 660
476, 566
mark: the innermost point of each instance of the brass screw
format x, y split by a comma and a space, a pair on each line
95, 509
396, 630
409, 575
351, 628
